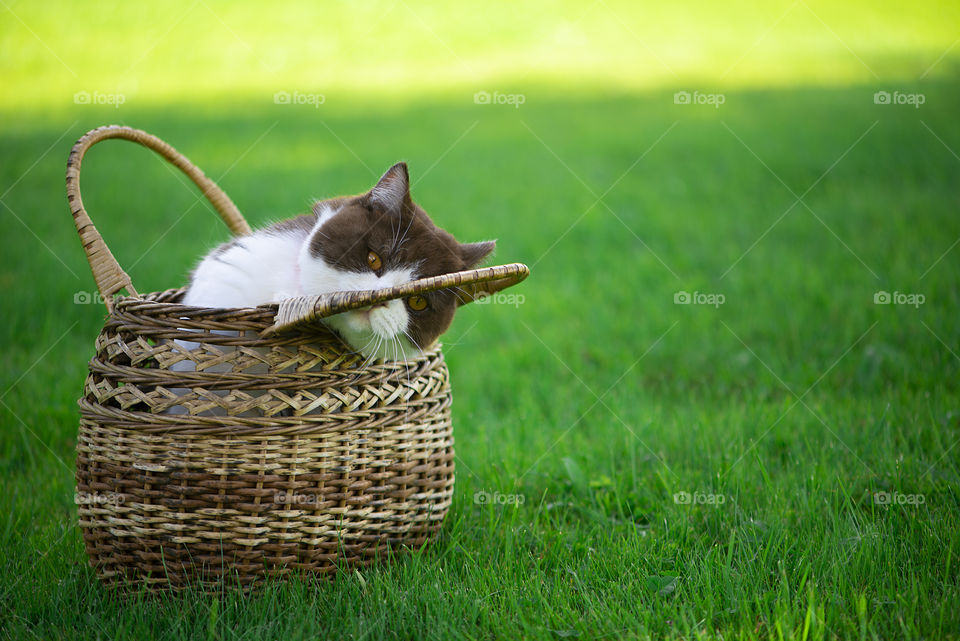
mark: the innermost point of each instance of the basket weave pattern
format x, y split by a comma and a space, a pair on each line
330, 463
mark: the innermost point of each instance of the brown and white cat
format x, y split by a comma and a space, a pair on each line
377, 239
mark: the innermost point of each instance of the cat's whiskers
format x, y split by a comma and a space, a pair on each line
359, 354
406, 365
368, 359
372, 358
390, 222
398, 345
363, 349
396, 233
410, 338
375, 352
466, 297
399, 243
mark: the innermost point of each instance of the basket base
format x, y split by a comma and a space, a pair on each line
179, 511
174, 567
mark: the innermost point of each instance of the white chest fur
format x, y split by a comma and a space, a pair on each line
271, 265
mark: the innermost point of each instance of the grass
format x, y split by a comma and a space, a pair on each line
796, 402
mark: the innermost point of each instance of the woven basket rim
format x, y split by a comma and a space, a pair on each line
305, 311
468, 285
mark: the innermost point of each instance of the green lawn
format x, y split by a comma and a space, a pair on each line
788, 413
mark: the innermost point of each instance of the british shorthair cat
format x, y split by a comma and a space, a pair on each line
373, 240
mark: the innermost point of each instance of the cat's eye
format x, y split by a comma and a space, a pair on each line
373, 260
417, 303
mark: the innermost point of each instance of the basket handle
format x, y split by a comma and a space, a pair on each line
470, 285
107, 272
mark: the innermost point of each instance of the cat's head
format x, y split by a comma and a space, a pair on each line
382, 239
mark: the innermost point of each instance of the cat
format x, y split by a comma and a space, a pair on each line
377, 239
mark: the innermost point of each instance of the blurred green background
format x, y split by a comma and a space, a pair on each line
790, 186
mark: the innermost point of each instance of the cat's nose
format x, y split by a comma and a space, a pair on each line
376, 305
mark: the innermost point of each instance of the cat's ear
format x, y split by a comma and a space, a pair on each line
392, 191
474, 253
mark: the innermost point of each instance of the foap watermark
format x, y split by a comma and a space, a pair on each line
297, 98
497, 98
288, 498
98, 98
698, 298
483, 497
98, 498
898, 298
87, 298
699, 498
699, 98
501, 298
899, 98
896, 498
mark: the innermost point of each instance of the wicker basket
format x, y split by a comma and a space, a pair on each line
287, 454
